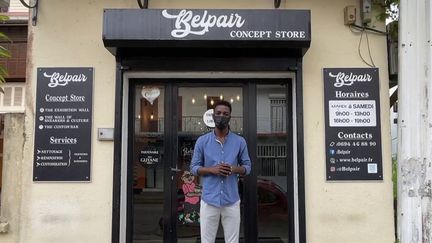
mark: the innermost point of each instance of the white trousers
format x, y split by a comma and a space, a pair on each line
209, 222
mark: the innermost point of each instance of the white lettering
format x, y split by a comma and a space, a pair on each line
56, 98
354, 135
348, 79
187, 23
64, 140
77, 98
355, 94
258, 34
290, 34
58, 79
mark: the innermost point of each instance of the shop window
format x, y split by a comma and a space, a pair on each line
273, 160
148, 137
271, 122
150, 121
277, 113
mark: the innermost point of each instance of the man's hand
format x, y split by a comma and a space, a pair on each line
222, 169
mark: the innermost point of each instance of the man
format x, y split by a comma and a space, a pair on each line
219, 157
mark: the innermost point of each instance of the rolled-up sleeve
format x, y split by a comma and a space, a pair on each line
244, 157
197, 158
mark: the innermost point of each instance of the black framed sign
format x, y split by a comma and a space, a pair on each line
207, 28
149, 156
64, 101
352, 124
207, 24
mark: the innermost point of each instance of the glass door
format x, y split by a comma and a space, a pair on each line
147, 190
164, 197
273, 162
194, 119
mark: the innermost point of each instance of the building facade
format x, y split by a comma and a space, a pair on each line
117, 96
12, 103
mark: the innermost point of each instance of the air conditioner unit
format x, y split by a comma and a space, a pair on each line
4, 3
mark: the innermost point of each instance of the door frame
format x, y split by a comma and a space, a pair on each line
122, 134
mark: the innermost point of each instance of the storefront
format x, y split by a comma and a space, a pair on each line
121, 95
172, 79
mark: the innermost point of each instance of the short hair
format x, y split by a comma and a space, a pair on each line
224, 103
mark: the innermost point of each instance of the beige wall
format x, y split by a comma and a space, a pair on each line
349, 211
69, 34
12, 172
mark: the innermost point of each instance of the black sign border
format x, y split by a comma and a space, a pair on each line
148, 28
88, 174
333, 177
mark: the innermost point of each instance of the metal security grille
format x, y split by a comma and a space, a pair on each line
277, 113
272, 159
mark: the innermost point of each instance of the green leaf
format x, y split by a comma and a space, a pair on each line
4, 17
3, 71
386, 9
4, 37
2, 79
4, 53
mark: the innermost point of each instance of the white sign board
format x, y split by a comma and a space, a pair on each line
208, 118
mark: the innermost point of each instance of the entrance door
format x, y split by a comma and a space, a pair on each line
197, 105
164, 197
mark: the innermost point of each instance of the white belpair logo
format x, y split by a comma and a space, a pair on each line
187, 23
348, 79
59, 79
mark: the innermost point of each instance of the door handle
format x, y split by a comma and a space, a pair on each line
175, 169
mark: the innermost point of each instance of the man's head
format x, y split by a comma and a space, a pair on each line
222, 103
222, 114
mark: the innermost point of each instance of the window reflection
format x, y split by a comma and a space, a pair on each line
272, 162
271, 165
194, 102
148, 186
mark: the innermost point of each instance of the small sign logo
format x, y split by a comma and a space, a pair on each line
348, 79
63, 79
208, 118
150, 94
149, 156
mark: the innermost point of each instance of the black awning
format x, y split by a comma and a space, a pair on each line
228, 32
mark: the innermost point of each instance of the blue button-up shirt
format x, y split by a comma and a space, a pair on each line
220, 191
